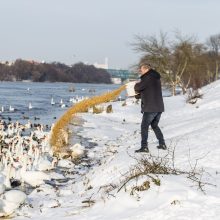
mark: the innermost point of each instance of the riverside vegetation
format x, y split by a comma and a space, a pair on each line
34, 71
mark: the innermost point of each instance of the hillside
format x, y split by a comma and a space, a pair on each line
192, 136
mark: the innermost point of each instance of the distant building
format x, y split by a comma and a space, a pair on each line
7, 63
103, 65
33, 62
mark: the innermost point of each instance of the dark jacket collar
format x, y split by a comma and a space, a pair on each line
151, 73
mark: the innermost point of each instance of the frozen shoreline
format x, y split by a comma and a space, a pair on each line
192, 129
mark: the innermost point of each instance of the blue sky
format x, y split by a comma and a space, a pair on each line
70, 31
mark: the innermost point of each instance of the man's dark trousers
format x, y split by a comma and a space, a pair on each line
151, 118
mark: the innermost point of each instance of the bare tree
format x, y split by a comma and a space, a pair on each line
214, 44
171, 59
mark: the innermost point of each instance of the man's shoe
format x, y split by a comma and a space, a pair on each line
142, 150
162, 146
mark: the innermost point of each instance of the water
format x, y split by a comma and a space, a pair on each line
20, 94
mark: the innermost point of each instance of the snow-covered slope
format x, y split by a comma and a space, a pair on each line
193, 130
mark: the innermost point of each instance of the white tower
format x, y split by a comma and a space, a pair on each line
106, 63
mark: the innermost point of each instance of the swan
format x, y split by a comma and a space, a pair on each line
64, 163
2, 185
5, 179
33, 178
30, 106
7, 182
77, 150
28, 125
2, 109
44, 164
2, 188
15, 196
7, 208
52, 101
11, 201
11, 109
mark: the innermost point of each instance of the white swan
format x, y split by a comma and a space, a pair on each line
11, 201
15, 196
52, 101
5, 179
77, 150
44, 164
30, 106
2, 185
28, 125
64, 163
11, 109
33, 178
2, 188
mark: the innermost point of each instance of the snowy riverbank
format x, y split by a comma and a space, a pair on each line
89, 194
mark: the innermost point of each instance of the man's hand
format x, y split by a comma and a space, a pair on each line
137, 96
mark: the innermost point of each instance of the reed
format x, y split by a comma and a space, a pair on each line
59, 134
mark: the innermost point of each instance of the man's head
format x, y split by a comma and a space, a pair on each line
144, 68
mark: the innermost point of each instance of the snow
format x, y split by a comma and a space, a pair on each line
193, 130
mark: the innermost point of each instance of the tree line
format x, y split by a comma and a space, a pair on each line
183, 62
52, 72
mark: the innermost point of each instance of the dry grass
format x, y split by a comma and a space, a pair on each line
59, 134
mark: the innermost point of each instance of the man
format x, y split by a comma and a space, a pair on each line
152, 106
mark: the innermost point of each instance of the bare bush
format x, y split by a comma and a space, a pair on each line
149, 168
193, 95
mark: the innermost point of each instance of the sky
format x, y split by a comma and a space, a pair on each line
70, 31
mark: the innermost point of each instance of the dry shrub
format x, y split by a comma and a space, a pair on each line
124, 104
149, 166
97, 110
153, 167
193, 95
109, 109
58, 138
143, 187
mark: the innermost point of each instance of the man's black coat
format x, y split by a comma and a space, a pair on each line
150, 92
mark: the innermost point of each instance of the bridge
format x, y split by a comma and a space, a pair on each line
123, 75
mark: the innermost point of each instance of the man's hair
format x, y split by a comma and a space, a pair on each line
145, 64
